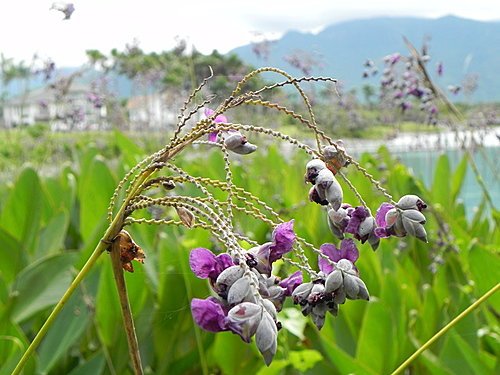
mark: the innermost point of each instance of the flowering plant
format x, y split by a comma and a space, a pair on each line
250, 281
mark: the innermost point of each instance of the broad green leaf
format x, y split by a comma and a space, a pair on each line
96, 186
275, 368
304, 360
41, 284
67, 329
13, 344
441, 183
377, 347
344, 362
22, 213
94, 366
293, 321
53, 235
485, 269
107, 314
458, 179
131, 153
12, 256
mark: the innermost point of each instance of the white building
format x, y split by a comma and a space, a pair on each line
72, 110
157, 111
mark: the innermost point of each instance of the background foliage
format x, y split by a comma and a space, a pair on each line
51, 219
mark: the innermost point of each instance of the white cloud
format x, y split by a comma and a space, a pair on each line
28, 26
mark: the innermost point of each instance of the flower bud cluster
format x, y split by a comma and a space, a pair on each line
405, 218
338, 280
248, 296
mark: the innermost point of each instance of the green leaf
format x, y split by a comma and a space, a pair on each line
304, 360
41, 285
344, 362
293, 321
67, 329
441, 184
377, 347
22, 213
12, 256
13, 343
275, 368
94, 365
485, 266
96, 186
131, 153
457, 181
52, 236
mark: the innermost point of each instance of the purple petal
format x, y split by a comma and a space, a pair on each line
209, 314
291, 282
212, 137
283, 238
381, 232
348, 250
202, 262
220, 118
381, 212
205, 264
209, 112
262, 256
224, 261
358, 215
332, 253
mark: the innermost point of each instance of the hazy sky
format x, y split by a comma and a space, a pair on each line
28, 26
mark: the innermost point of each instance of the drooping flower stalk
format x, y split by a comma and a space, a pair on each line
247, 295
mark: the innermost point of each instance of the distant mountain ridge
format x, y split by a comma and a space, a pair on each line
464, 46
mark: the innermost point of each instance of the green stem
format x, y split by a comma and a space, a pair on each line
128, 321
446, 328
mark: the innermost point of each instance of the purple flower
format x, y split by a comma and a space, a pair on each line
212, 137
347, 251
263, 256
209, 314
359, 214
283, 239
206, 264
291, 282
382, 230
381, 212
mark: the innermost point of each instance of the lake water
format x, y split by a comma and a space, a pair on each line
421, 151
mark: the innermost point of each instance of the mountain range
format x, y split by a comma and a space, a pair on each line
464, 46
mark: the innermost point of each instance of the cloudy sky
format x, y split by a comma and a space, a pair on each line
28, 26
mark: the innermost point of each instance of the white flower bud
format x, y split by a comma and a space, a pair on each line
312, 169
247, 316
351, 286
366, 226
334, 281
411, 202
266, 337
239, 291
228, 277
